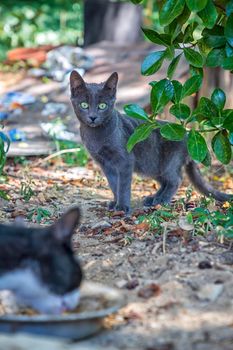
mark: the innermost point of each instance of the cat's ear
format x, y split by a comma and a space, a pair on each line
64, 228
76, 82
111, 83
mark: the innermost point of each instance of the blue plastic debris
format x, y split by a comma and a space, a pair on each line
16, 96
3, 116
16, 135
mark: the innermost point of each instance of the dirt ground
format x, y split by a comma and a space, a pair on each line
178, 287
178, 291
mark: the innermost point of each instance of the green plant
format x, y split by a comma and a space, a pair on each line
159, 217
26, 190
4, 195
206, 221
80, 157
200, 220
202, 32
21, 160
32, 23
38, 214
4, 147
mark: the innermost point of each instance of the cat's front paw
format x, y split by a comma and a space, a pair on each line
125, 208
112, 205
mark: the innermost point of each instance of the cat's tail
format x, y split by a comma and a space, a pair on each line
204, 187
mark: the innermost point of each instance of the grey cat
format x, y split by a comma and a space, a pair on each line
105, 133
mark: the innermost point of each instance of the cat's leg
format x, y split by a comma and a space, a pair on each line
111, 175
169, 186
124, 187
148, 201
170, 178
167, 194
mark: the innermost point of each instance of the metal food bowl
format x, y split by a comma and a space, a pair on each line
73, 325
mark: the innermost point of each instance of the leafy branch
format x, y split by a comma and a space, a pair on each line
202, 32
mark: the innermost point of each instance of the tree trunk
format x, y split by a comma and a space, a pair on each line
118, 22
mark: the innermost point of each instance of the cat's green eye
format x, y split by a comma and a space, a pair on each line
102, 105
84, 105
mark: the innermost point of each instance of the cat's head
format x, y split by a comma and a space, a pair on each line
93, 103
42, 270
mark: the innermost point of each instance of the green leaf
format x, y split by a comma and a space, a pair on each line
229, 8
207, 108
222, 147
141, 133
160, 39
170, 52
152, 62
192, 85
6, 142
215, 58
228, 119
188, 33
173, 132
152, 83
172, 66
196, 5
197, 147
2, 154
4, 195
229, 30
218, 120
177, 91
136, 2
135, 111
193, 57
170, 10
195, 71
175, 29
161, 93
203, 48
180, 111
231, 138
214, 37
218, 97
184, 16
209, 15
229, 50
228, 63
207, 160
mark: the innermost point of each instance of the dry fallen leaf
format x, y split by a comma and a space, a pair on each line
142, 226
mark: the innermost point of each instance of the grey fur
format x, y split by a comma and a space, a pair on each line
105, 135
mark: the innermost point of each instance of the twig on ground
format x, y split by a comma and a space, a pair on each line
164, 237
56, 154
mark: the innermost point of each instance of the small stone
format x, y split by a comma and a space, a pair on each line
121, 284
205, 264
101, 225
226, 258
210, 292
132, 284
83, 228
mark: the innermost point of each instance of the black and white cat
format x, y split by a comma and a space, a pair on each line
105, 132
38, 265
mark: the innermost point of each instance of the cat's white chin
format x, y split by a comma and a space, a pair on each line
93, 125
55, 305
30, 291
